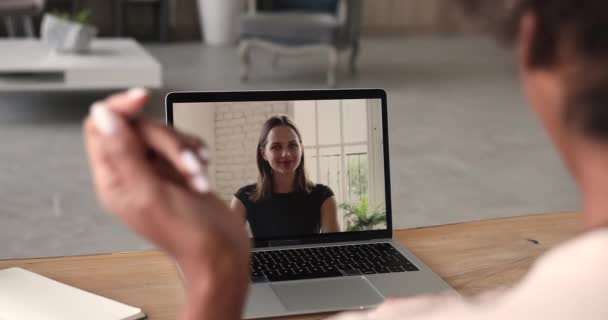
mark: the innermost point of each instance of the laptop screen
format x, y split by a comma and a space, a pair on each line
295, 168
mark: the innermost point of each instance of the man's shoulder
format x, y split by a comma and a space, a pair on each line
585, 247
582, 255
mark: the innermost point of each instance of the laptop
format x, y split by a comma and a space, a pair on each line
321, 249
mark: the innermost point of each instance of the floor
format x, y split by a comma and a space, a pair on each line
464, 144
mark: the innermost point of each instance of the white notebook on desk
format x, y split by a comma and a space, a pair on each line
25, 295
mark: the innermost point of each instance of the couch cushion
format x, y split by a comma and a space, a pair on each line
293, 28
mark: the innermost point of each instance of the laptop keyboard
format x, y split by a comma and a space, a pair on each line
324, 262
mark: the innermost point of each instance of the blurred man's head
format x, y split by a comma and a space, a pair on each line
563, 58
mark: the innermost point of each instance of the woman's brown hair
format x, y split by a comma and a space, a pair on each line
263, 189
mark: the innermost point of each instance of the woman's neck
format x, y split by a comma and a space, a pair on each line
283, 183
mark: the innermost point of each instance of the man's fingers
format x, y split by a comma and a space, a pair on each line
129, 103
104, 175
166, 170
187, 154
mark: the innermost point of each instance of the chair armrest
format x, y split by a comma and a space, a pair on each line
342, 11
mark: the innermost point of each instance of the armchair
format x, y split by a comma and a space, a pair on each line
294, 27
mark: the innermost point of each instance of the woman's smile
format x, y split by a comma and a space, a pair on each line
285, 163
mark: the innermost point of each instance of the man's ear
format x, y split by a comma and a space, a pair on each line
525, 38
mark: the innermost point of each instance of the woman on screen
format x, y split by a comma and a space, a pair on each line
284, 202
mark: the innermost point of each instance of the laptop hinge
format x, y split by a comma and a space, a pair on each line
277, 243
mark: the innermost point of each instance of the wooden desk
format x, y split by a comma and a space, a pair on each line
471, 257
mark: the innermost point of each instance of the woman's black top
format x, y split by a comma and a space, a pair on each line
284, 214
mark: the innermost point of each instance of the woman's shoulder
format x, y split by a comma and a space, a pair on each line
245, 191
323, 191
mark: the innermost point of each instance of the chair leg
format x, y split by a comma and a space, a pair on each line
74, 7
28, 25
163, 25
9, 22
245, 53
354, 54
332, 67
118, 18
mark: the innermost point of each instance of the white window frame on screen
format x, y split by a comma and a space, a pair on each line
374, 152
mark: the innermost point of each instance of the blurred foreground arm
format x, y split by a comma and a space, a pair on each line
153, 178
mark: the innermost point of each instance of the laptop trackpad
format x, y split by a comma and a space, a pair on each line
319, 294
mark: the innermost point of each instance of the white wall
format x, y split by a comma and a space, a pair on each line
376, 152
198, 119
231, 130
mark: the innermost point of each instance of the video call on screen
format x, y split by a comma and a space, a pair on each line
341, 153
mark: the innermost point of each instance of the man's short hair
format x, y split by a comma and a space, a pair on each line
572, 32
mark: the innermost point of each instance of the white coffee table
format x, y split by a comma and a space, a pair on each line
28, 65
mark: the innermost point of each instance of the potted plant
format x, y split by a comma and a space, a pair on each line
219, 20
68, 33
363, 217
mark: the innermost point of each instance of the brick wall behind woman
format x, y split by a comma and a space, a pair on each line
237, 131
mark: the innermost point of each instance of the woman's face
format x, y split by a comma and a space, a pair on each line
282, 150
